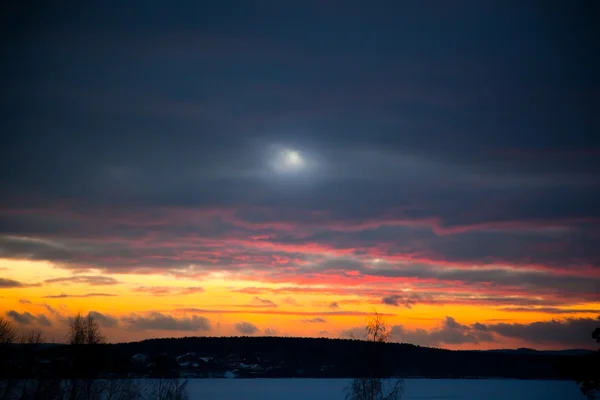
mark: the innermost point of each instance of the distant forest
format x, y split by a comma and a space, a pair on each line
297, 357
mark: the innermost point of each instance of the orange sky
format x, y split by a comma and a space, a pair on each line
148, 305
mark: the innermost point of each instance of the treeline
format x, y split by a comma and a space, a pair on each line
84, 369
347, 357
291, 357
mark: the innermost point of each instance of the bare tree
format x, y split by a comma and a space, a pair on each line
85, 382
7, 332
83, 332
377, 329
375, 387
590, 386
7, 337
30, 340
34, 337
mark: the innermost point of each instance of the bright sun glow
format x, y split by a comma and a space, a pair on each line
289, 161
293, 159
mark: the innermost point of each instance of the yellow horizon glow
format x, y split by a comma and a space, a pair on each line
224, 305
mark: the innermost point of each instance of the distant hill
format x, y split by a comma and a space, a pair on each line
521, 350
566, 352
311, 356
308, 357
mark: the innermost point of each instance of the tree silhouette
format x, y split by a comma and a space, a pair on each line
7, 332
376, 387
7, 337
591, 385
84, 336
84, 330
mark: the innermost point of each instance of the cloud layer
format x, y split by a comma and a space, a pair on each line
26, 318
246, 328
161, 322
573, 332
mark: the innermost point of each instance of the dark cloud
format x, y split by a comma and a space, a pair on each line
162, 322
529, 279
569, 332
32, 248
418, 336
24, 301
89, 280
453, 332
365, 125
123, 256
26, 318
246, 328
316, 320
65, 295
406, 300
450, 332
435, 293
9, 283
480, 327
553, 243
334, 305
105, 320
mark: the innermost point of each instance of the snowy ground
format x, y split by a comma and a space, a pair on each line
331, 389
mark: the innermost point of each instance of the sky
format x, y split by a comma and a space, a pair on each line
288, 168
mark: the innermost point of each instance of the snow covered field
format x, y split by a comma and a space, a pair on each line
326, 389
